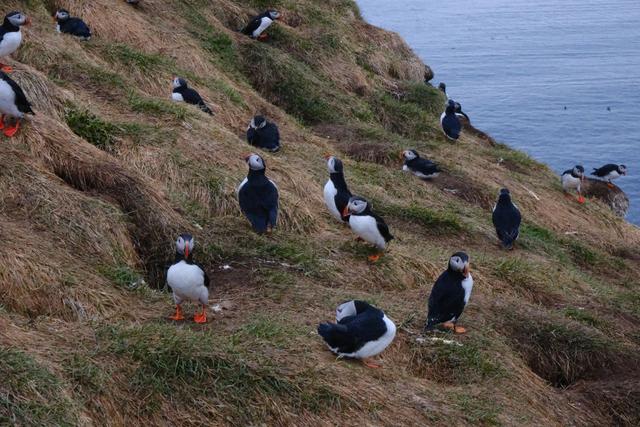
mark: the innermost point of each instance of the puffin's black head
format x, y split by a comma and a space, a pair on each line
458, 107
622, 169
17, 19
578, 170
255, 162
274, 14
334, 164
258, 122
409, 155
442, 87
459, 262
351, 308
451, 107
179, 82
61, 15
504, 195
185, 244
356, 205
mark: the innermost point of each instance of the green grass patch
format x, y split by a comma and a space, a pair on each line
155, 106
437, 222
134, 58
122, 275
427, 97
83, 372
405, 118
30, 394
582, 316
477, 410
516, 159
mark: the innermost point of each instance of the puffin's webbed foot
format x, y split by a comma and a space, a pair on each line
458, 329
610, 185
201, 317
581, 199
178, 314
10, 131
374, 258
6, 68
369, 363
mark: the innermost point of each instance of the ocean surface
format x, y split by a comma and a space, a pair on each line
514, 65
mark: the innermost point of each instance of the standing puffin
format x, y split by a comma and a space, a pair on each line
506, 219
367, 225
188, 280
183, 93
70, 25
258, 196
450, 294
362, 331
11, 36
449, 121
422, 168
13, 103
572, 180
258, 24
336, 192
263, 134
609, 172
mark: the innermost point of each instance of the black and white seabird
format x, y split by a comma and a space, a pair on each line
13, 104
361, 331
336, 192
461, 114
449, 121
263, 134
11, 35
258, 196
260, 23
183, 93
443, 87
610, 172
420, 167
367, 225
572, 180
450, 294
188, 280
506, 219
71, 25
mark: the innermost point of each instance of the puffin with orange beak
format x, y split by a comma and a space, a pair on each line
336, 192
572, 179
11, 35
367, 225
188, 280
183, 93
67, 24
256, 27
258, 196
450, 295
13, 105
420, 167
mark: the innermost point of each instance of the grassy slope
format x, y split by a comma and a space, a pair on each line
98, 184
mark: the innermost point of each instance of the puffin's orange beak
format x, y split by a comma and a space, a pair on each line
327, 156
246, 156
186, 250
345, 211
402, 155
466, 270
28, 21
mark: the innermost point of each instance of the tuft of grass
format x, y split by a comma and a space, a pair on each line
93, 129
425, 96
515, 159
154, 106
582, 316
122, 275
404, 118
30, 394
582, 254
88, 377
437, 222
477, 410
135, 58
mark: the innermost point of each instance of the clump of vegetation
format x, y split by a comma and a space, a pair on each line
582, 316
135, 58
405, 118
436, 222
93, 129
154, 106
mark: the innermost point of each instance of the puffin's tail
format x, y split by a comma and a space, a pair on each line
331, 333
206, 109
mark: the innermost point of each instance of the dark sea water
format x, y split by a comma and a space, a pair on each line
515, 64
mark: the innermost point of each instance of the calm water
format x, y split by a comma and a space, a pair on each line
515, 64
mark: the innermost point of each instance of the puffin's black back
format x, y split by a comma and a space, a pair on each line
259, 201
24, 106
506, 219
7, 27
191, 96
353, 332
254, 23
604, 170
424, 166
446, 299
343, 194
75, 26
267, 137
450, 123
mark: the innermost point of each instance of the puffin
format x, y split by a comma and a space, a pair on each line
361, 331
572, 180
367, 225
13, 103
461, 114
258, 196
11, 35
422, 168
260, 23
610, 172
336, 192
71, 25
450, 295
506, 219
188, 280
442, 87
449, 121
183, 93
263, 134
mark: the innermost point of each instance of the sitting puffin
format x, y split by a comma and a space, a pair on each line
258, 196
506, 219
442, 86
449, 121
69, 25
13, 103
367, 225
572, 180
11, 36
362, 331
422, 168
461, 114
450, 294
183, 93
263, 134
336, 192
188, 280
609, 172
258, 24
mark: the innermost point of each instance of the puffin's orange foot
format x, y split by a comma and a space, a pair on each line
371, 364
11, 130
610, 185
200, 317
459, 329
359, 239
1, 122
374, 258
6, 69
581, 199
178, 315
448, 325
263, 37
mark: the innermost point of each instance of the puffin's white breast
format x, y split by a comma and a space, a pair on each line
264, 24
176, 96
7, 101
366, 227
10, 43
186, 280
612, 175
330, 200
375, 347
569, 181
244, 181
467, 284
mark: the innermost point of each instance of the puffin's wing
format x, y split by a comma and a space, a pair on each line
451, 126
427, 167
445, 300
604, 170
337, 336
342, 200
77, 27
2, 33
383, 228
271, 202
251, 135
507, 220
252, 25
206, 276
21, 100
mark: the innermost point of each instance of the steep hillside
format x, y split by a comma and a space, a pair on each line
97, 185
